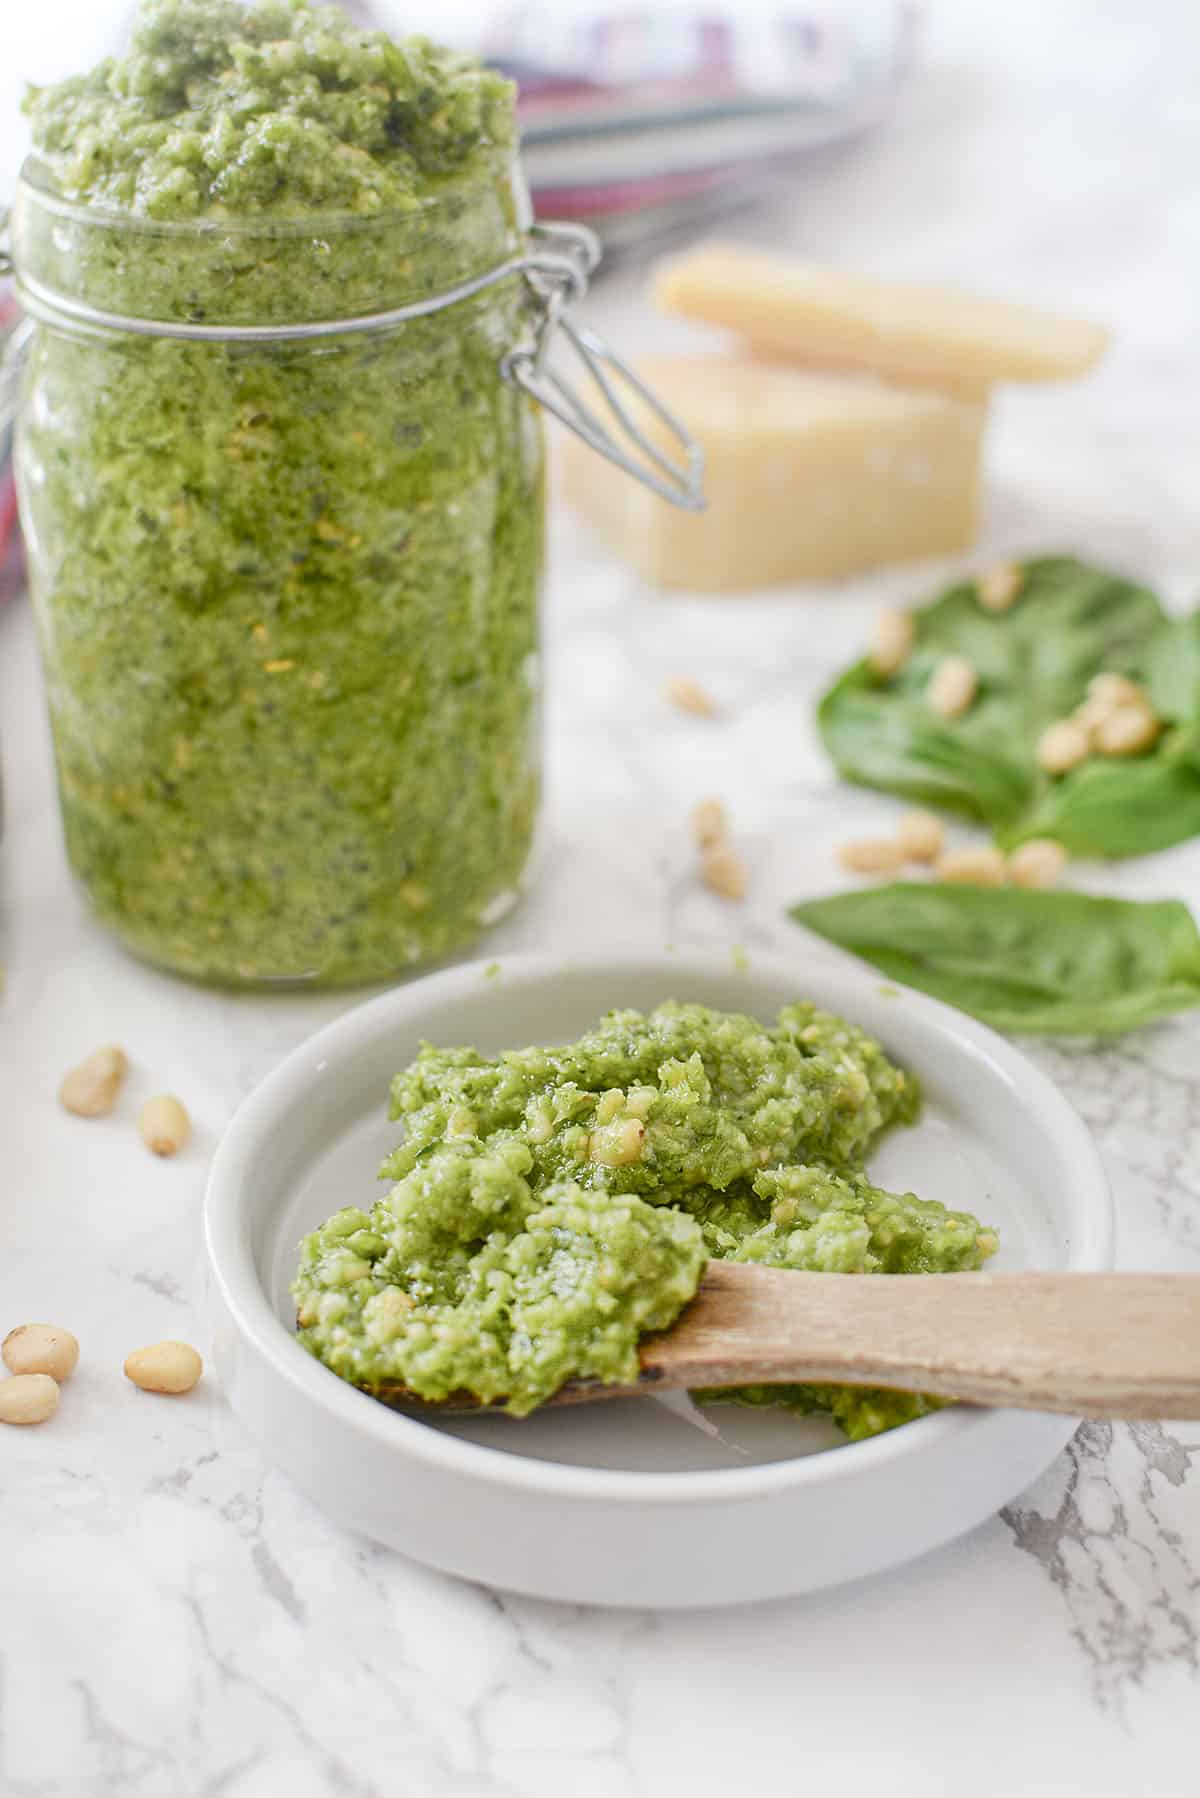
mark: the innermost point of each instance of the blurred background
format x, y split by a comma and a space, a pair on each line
650, 117
641, 118
1042, 149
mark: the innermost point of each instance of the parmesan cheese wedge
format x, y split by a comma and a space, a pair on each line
962, 387
797, 310
808, 477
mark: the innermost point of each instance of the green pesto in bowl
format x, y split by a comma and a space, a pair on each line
287, 591
550, 1205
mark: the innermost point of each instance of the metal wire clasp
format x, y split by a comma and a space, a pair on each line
679, 481
556, 270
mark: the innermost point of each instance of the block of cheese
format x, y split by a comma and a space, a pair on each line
798, 310
962, 386
808, 477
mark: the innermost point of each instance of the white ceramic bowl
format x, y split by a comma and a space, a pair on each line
639, 1501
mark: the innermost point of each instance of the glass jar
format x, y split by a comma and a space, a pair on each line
287, 585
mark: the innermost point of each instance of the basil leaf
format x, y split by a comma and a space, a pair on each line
1172, 669
1060, 962
1122, 807
888, 738
1070, 622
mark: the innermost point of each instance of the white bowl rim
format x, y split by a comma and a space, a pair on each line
250, 1307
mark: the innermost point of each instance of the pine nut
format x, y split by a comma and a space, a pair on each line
1115, 689
1090, 716
1062, 746
90, 1090
41, 1348
871, 855
1128, 730
1037, 863
710, 823
687, 695
164, 1367
165, 1125
723, 871
28, 1398
892, 637
998, 589
952, 687
610, 1105
616, 1145
972, 867
920, 837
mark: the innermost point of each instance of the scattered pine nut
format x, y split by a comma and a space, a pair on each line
1037, 863
28, 1398
90, 1090
998, 589
1115, 689
164, 1367
920, 837
721, 868
723, 871
872, 855
710, 823
892, 637
165, 1124
984, 867
1128, 730
952, 687
1062, 746
687, 695
41, 1348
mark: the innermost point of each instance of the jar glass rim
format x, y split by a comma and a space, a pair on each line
36, 181
259, 271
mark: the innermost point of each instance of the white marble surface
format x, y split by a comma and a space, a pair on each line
175, 1619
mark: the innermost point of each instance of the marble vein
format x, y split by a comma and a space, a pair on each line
1124, 1569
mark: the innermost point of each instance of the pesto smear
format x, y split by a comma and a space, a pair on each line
287, 591
551, 1204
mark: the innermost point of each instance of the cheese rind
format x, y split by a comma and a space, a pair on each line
800, 310
808, 477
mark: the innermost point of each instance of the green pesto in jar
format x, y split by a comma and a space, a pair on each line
551, 1204
287, 592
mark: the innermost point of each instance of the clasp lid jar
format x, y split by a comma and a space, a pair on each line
281, 481
556, 261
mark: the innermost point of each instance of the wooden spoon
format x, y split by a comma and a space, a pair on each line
1088, 1345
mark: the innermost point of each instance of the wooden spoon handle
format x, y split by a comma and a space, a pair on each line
1088, 1345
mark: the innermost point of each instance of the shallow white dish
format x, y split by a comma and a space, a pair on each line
640, 1501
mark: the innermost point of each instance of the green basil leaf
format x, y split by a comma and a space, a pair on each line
1125, 807
880, 737
1061, 962
1171, 669
1034, 662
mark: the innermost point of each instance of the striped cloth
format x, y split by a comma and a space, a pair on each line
10, 554
646, 120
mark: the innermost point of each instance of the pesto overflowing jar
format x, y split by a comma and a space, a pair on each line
281, 477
